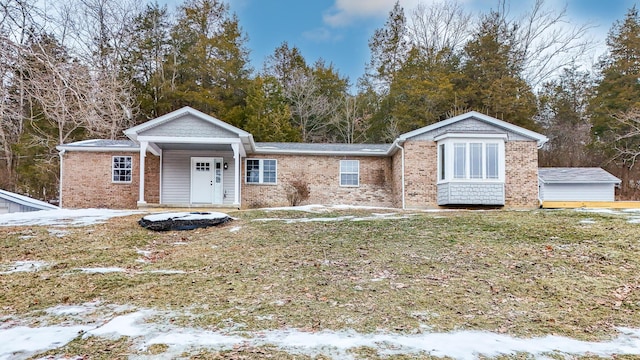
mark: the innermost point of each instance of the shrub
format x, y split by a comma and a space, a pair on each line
297, 192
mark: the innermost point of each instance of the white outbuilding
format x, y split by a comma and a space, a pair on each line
12, 202
576, 184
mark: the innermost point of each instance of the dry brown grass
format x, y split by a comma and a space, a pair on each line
522, 273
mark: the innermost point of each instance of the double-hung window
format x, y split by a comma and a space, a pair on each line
349, 172
260, 171
121, 167
472, 159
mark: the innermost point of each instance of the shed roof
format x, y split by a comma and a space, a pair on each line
323, 149
26, 201
575, 175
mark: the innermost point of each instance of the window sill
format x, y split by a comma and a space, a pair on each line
260, 184
472, 181
349, 186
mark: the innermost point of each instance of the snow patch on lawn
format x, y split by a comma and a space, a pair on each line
23, 266
21, 342
58, 233
186, 216
100, 270
63, 217
235, 229
148, 327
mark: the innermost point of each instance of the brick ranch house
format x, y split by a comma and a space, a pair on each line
189, 159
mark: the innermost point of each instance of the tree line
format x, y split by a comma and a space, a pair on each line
92, 68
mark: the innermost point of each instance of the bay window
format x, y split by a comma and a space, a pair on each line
464, 158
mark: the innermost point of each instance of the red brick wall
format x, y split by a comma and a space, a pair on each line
86, 181
420, 174
521, 174
323, 176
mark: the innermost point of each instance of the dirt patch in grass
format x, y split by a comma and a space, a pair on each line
522, 273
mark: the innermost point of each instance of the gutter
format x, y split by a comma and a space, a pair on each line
395, 143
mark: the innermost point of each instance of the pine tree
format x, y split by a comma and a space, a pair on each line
618, 89
492, 74
209, 61
267, 111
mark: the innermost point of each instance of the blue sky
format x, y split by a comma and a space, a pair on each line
338, 30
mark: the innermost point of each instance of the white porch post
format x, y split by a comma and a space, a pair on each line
236, 158
143, 154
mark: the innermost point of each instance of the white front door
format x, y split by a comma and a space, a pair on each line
206, 180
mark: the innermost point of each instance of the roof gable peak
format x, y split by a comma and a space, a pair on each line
541, 139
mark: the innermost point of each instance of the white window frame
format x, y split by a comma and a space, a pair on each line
447, 143
357, 173
114, 169
261, 178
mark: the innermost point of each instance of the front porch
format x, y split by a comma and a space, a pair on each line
200, 160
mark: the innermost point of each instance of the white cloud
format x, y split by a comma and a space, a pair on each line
321, 34
343, 12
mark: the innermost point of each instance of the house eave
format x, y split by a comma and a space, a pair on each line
320, 153
580, 182
98, 148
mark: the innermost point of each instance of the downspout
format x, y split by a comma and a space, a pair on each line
541, 143
60, 182
395, 143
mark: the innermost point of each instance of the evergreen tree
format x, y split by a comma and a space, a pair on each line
492, 74
145, 60
423, 91
618, 89
389, 49
268, 114
208, 63
284, 63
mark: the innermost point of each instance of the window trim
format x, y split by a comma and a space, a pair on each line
340, 173
114, 169
447, 143
260, 172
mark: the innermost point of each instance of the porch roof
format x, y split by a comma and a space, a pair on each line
187, 128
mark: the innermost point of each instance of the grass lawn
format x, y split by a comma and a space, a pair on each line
521, 273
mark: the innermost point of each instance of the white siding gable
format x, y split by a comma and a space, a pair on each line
470, 125
188, 126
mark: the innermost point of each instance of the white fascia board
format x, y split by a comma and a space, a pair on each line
133, 132
579, 181
98, 148
188, 140
321, 153
541, 139
470, 136
154, 149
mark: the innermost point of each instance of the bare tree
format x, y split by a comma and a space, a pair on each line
96, 31
310, 108
626, 137
348, 122
544, 40
61, 87
439, 26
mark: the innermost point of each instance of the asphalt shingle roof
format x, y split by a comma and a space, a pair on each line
576, 175
322, 147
